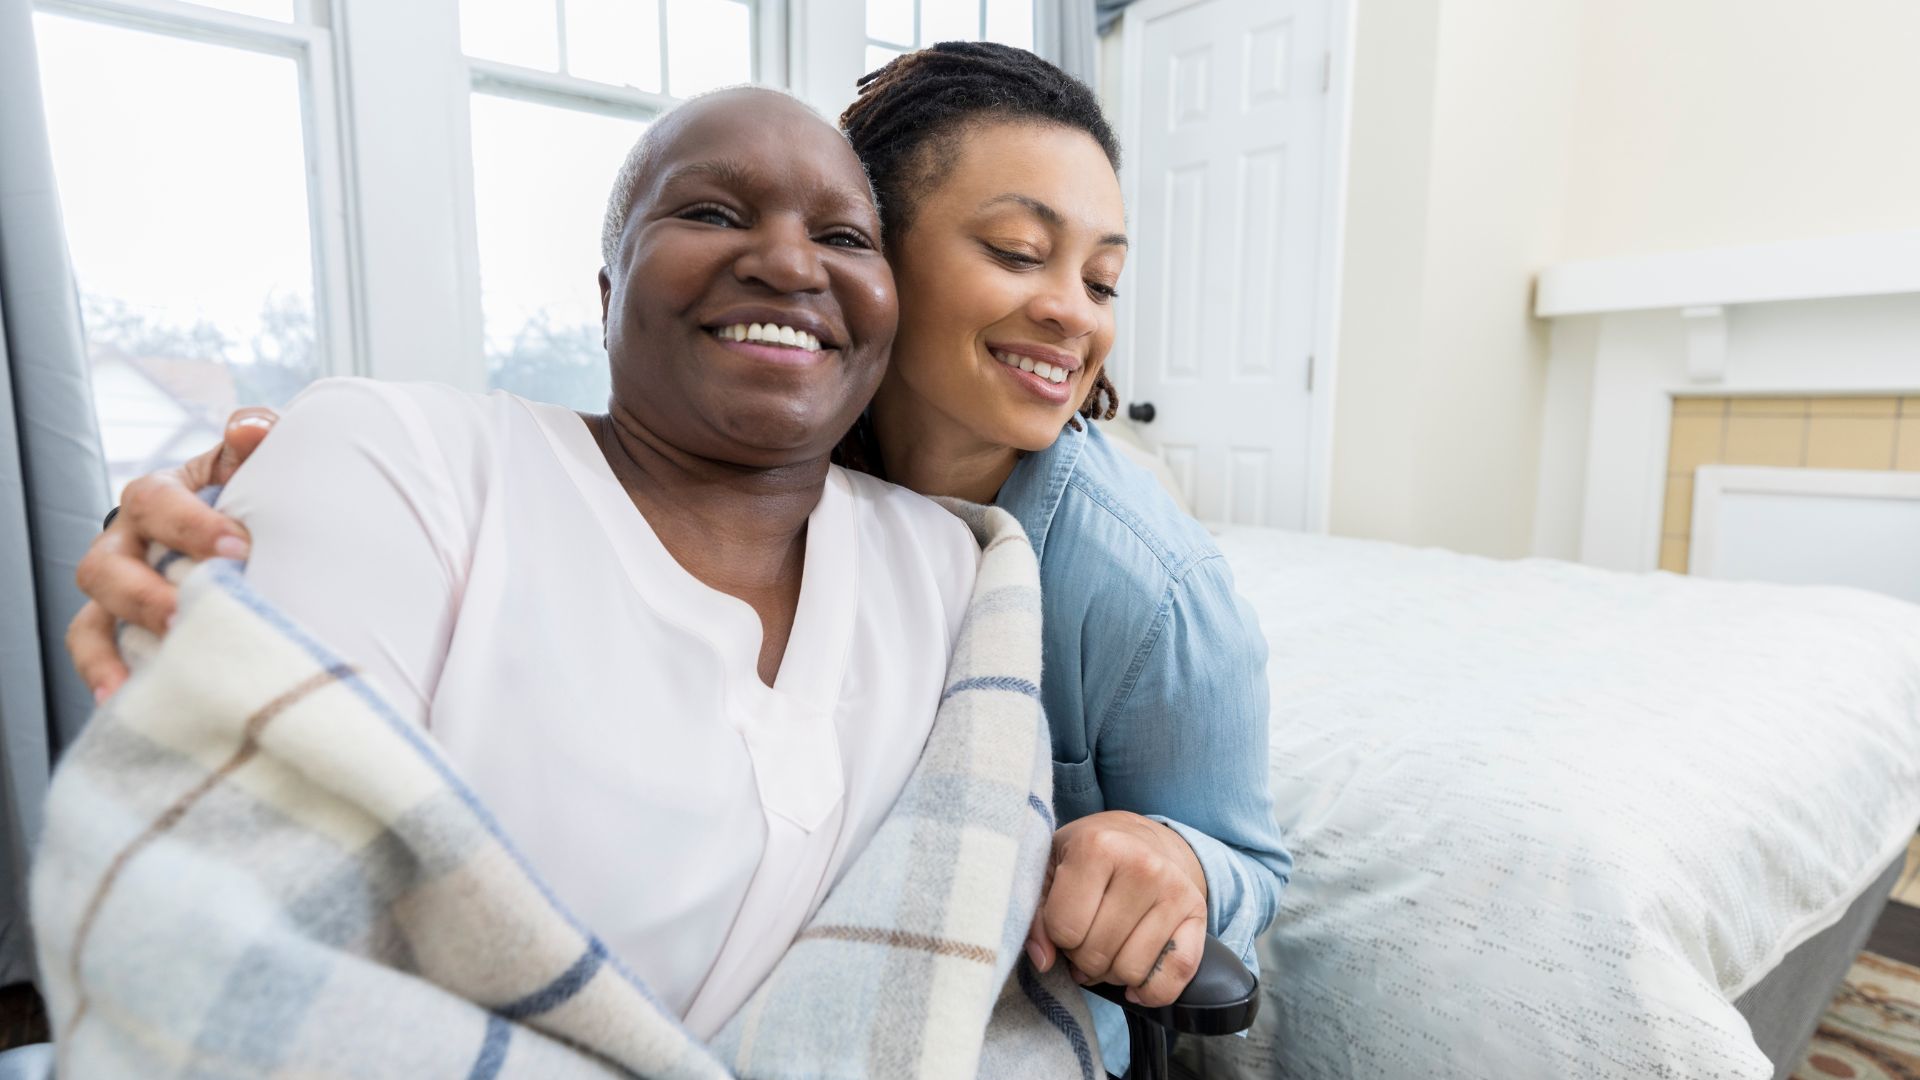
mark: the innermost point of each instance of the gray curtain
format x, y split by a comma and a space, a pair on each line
1107, 12
1064, 34
53, 481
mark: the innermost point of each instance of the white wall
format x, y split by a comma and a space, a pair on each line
1459, 161
1705, 123
1494, 137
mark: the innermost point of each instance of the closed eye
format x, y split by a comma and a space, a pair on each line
1102, 291
851, 239
710, 214
1013, 258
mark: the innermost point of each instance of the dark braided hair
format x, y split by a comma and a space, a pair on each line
911, 115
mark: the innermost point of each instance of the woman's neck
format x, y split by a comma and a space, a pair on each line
739, 530
925, 450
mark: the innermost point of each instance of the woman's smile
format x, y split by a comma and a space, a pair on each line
1048, 373
791, 338
772, 351
772, 335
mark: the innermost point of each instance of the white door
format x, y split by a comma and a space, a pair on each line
1226, 118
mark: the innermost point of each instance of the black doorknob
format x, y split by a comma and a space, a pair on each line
1141, 412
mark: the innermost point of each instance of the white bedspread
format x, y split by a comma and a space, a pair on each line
1550, 821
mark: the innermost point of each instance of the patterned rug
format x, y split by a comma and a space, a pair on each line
1872, 1029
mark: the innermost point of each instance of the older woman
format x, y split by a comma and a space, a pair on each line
661, 614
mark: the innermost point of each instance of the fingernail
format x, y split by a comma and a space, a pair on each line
1034, 954
1080, 977
251, 421
230, 547
1132, 996
100, 694
168, 625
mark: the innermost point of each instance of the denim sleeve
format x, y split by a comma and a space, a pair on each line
1184, 742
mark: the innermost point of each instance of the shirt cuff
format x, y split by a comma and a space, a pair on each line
1235, 914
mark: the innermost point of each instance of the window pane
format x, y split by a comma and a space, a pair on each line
540, 180
1010, 22
949, 20
184, 187
890, 20
710, 44
265, 9
878, 55
524, 32
615, 41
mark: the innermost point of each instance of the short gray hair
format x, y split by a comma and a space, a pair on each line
639, 161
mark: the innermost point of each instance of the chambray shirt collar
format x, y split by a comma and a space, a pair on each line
1032, 493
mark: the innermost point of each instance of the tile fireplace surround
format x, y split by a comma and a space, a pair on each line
1796, 355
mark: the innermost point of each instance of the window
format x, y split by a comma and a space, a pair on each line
188, 184
618, 42
265, 9
561, 90
898, 26
228, 251
539, 232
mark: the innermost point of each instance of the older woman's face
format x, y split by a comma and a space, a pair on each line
1007, 272
755, 215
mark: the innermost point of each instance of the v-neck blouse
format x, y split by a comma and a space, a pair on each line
477, 557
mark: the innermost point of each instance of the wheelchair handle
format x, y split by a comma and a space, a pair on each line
1222, 999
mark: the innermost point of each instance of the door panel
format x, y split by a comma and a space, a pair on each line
1229, 137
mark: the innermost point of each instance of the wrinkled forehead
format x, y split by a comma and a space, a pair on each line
755, 136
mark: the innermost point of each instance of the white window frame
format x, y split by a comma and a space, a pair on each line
828, 51
979, 27
309, 43
385, 91
409, 93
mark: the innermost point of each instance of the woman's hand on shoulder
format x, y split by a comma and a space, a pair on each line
160, 507
1125, 903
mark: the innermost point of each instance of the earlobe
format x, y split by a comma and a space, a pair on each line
606, 295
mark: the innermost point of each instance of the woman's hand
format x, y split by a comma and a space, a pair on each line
159, 507
1126, 902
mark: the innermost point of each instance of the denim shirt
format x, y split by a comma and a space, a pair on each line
1153, 679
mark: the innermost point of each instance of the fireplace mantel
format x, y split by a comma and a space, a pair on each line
1824, 317
1877, 264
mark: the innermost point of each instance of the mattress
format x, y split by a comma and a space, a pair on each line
1785, 1008
1552, 821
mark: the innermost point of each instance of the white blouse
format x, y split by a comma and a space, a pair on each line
478, 560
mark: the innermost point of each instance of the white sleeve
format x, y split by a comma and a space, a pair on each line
358, 533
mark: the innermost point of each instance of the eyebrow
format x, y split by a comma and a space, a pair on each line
731, 173
1048, 214
726, 172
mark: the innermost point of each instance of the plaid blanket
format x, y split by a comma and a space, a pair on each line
253, 867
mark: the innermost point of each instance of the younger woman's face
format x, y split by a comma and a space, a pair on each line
1006, 274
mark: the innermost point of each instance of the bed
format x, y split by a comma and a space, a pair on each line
1551, 821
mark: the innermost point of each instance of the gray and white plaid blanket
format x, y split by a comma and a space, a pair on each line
253, 867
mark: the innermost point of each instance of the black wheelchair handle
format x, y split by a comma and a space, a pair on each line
1222, 999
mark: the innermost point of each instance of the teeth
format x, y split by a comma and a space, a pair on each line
769, 333
1053, 373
